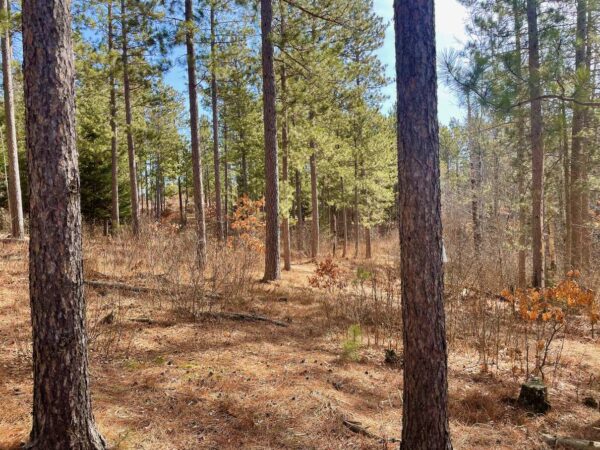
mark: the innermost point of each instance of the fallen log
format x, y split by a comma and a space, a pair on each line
241, 317
357, 428
577, 444
142, 289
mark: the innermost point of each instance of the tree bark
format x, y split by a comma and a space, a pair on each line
368, 251
195, 138
114, 151
299, 213
272, 263
537, 147
215, 123
14, 178
287, 251
425, 406
314, 248
62, 416
476, 179
356, 211
135, 210
577, 142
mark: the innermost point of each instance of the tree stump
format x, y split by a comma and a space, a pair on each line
534, 396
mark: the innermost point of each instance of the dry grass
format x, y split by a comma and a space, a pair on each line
183, 383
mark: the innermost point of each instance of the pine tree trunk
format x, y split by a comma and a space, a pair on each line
287, 251
368, 252
425, 406
226, 182
356, 217
344, 222
475, 172
114, 151
566, 160
537, 147
314, 248
180, 194
62, 416
195, 138
299, 213
14, 178
272, 263
577, 142
215, 124
135, 210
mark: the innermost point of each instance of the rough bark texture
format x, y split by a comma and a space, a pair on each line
577, 150
215, 124
114, 150
14, 178
196, 157
425, 408
272, 264
135, 210
537, 147
62, 413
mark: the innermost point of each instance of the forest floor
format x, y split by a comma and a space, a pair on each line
176, 383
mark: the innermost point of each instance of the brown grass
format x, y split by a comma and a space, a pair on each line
181, 383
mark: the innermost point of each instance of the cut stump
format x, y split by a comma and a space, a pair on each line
534, 396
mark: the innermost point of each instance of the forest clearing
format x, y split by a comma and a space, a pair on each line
164, 379
299, 224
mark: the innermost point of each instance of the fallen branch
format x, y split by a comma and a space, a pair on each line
241, 317
357, 428
141, 289
554, 441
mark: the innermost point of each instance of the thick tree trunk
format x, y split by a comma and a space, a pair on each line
114, 150
577, 142
272, 263
135, 210
537, 147
425, 407
215, 123
14, 178
195, 138
62, 412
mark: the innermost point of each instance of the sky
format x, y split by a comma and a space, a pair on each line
450, 19
450, 33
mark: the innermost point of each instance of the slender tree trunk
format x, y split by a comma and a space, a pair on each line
195, 137
368, 252
475, 171
135, 210
14, 177
114, 151
62, 416
425, 407
215, 123
314, 204
537, 147
344, 222
226, 175
181, 209
299, 212
147, 187
567, 185
356, 212
287, 265
272, 263
577, 150
244, 183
